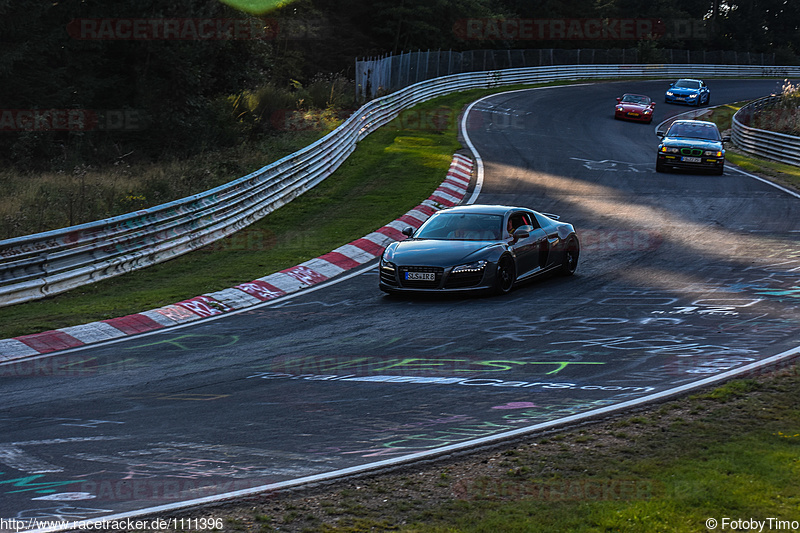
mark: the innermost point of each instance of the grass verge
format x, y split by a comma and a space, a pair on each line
391, 172
781, 173
731, 453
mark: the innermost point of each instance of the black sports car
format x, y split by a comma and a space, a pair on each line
479, 248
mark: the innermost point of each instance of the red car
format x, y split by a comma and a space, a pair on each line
636, 107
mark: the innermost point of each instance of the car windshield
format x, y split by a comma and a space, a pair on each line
635, 99
690, 130
688, 84
462, 227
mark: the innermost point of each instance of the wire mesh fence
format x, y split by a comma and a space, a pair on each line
377, 76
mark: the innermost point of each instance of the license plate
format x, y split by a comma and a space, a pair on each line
680, 98
692, 159
633, 114
420, 276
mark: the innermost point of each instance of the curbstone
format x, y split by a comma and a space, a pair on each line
317, 270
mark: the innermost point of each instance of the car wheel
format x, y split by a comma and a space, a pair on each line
570, 262
506, 275
719, 171
660, 167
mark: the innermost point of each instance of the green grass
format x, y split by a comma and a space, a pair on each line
782, 173
739, 458
391, 171
723, 115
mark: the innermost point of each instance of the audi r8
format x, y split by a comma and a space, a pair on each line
688, 91
634, 107
487, 248
693, 144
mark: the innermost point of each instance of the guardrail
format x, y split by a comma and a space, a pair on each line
763, 143
392, 72
43, 264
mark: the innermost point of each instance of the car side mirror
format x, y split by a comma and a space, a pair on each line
726, 138
660, 133
619, 100
408, 231
521, 233
652, 104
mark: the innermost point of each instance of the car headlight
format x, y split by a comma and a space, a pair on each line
648, 111
670, 93
475, 266
715, 153
619, 108
692, 96
669, 149
387, 266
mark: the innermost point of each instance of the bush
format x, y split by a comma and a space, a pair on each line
784, 115
272, 109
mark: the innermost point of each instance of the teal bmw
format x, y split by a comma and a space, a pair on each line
691, 144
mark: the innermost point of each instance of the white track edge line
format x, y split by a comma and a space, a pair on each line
444, 450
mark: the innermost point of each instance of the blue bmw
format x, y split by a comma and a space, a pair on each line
688, 91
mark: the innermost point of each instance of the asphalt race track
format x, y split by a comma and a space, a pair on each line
682, 277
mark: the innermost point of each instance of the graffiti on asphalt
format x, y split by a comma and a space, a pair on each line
62, 513
30, 483
370, 365
443, 380
190, 341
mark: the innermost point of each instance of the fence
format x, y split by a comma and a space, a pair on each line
386, 74
763, 143
39, 265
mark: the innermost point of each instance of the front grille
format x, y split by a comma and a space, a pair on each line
463, 279
691, 151
420, 284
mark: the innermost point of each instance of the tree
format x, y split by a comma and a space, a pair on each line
80, 55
